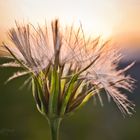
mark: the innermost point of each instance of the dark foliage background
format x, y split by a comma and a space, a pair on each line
20, 120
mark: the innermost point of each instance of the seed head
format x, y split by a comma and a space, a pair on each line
66, 68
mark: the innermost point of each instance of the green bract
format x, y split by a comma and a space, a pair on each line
66, 69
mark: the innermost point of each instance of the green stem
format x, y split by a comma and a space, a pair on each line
54, 128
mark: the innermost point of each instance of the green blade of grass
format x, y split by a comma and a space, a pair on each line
68, 94
54, 93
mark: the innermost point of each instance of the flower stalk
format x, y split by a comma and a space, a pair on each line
54, 125
66, 70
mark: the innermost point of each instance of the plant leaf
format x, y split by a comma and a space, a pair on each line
68, 94
54, 93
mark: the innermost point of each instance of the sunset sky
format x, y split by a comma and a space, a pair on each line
98, 17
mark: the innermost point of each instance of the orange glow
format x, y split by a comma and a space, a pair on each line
98, 17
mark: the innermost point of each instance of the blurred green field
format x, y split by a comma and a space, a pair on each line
20, 120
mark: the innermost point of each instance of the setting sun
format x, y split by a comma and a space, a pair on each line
98, 17
66, 57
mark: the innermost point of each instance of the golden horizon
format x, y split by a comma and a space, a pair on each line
98, 18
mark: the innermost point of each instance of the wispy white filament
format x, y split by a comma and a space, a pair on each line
38, 48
